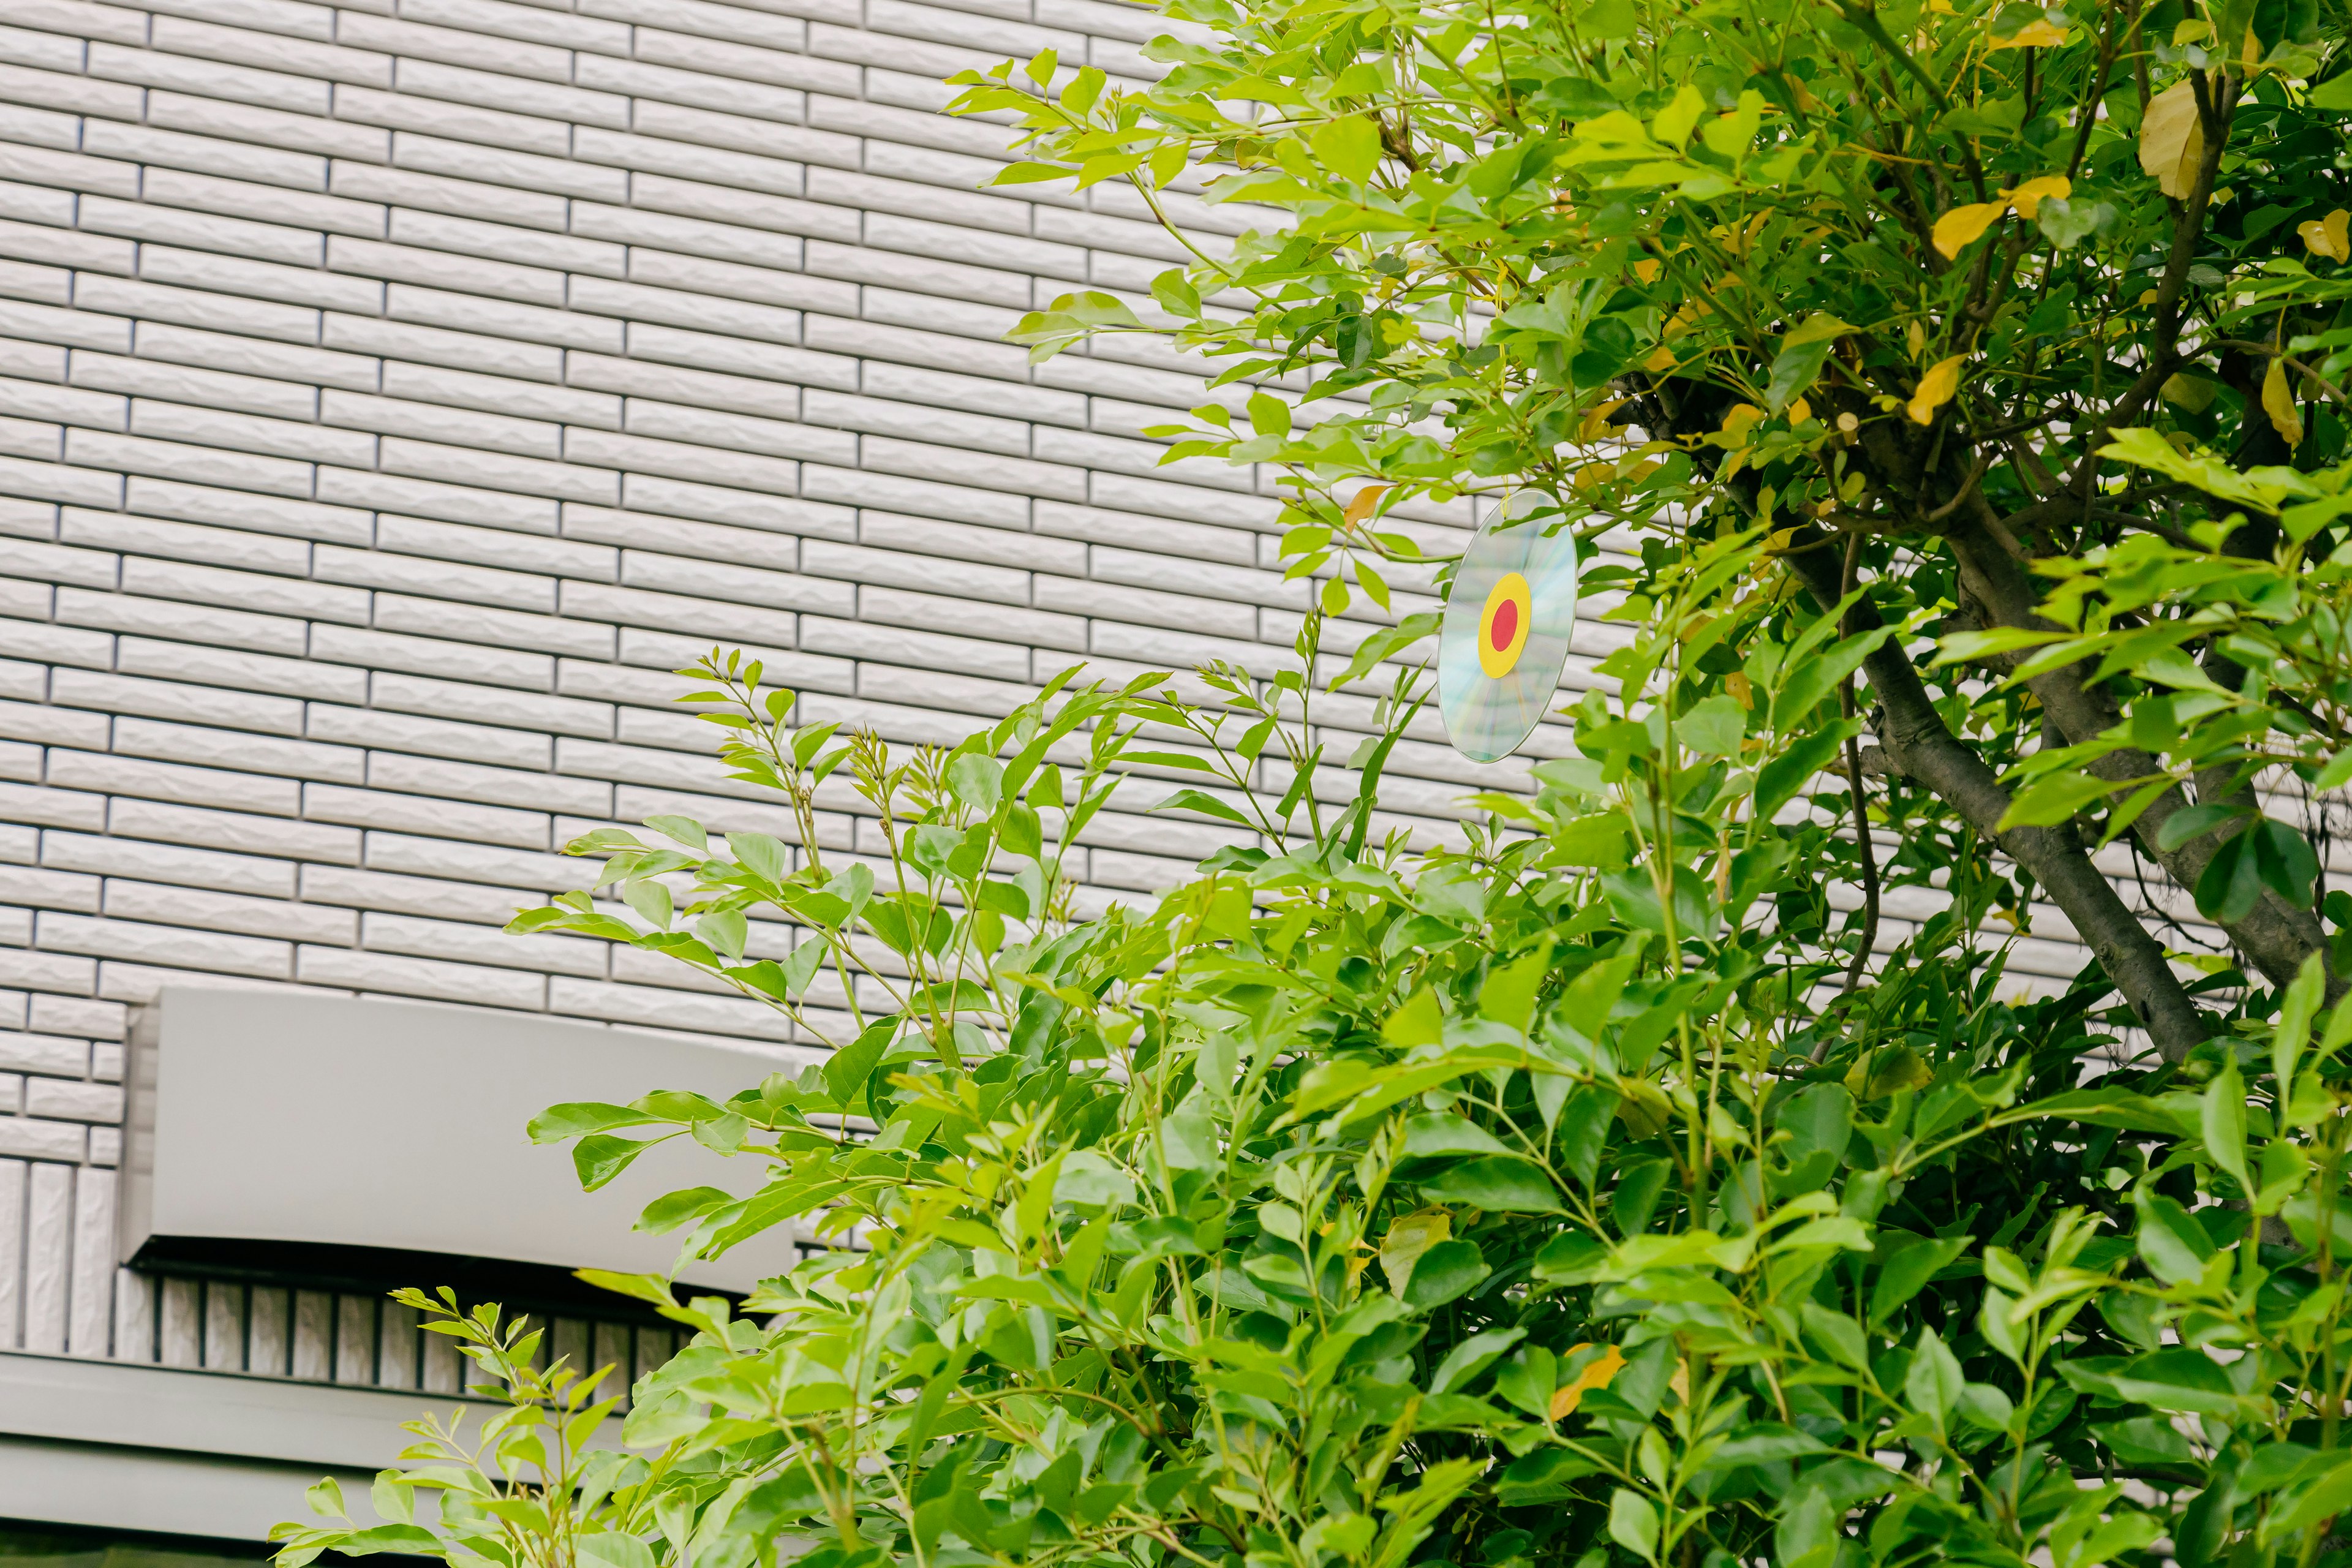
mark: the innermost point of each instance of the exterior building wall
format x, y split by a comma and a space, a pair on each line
393, 394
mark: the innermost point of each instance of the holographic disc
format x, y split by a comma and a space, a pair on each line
1506, 629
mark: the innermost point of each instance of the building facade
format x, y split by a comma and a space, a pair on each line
393, 394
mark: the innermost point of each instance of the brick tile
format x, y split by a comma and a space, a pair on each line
241, 832
566, 715
433, 656
172, 863
187, 383
440, 423
395, 976
216, 952
206, 625
493, 89
252, 357
209, 78
104, 693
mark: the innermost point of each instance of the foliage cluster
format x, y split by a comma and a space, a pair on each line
1588, 1193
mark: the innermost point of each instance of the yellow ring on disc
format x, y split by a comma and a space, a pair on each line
1499, 645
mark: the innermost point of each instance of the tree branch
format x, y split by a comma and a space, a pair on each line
1917, 742
2275, 936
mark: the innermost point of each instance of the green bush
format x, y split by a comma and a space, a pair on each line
1596, 1191
1377, 1207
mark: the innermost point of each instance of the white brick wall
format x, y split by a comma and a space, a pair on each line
392, 393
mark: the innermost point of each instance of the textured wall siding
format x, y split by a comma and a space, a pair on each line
393, 394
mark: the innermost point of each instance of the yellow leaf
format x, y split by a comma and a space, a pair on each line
2027, 197
2032, 35
1799, 411
1742, 691
1958, 228
1661, 361
1595, 424
1736, 424
2193, 393
1409, 1236
2172, 140
2327, 236
2278, 402
1361, 504
1648, 268
1936, 389
1597, 1374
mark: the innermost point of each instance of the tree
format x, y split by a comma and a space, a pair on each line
1888, 282
1588, 1193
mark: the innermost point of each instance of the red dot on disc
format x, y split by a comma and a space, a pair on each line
1506, 625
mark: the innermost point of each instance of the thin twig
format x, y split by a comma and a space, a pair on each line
1861, 809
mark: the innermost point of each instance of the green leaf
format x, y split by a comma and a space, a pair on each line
1508, 996
1387, 643
2170, 1242
1797, 365
2323, 1498
601, 1158
848, 1069
2194, 822
1269, 415
1472, 1356
1088, 1179
2054, 798
2297, 1010
1599, 841
2231, 883
579, 1118
1673, 124
1503, 1183
1934, 1382
610, 1548
683, 830
671, 1210
1447, 1270
1804, 687
1349, 147
650, 898
1907, 1272
1633, 1518
1428, 1136
977, 781
650, 1288
2222, 1122
2187, 1381
1420, 1022
1021, 833
1777, 781
1714, 727
1206, 805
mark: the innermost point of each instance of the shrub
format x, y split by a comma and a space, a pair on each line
1597, 1190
